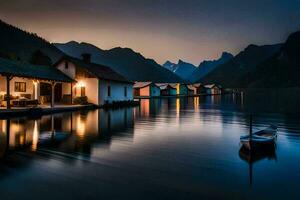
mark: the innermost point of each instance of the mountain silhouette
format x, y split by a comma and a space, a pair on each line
21, 45
170, 66
230, 74
182, 69
280, 70
130, 64
207, 66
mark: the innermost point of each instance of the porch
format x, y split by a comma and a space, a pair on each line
20, 92
23, 85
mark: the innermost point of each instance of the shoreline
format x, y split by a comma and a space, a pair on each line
39, 111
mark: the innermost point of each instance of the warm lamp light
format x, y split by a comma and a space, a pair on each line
80, 84
35, 82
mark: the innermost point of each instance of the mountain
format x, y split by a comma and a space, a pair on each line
209, 65
125, 61
21, 45
281, 70
170, 66
182, 69
230, 74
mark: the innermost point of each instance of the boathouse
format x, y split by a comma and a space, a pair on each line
168, 89
146, 89
97, 84
186, 90
213, 89
200, 88
23, 84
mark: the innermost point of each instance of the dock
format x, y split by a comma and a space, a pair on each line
41, 110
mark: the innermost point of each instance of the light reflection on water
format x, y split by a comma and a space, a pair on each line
179, 148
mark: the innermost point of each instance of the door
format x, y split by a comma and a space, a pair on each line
58, 93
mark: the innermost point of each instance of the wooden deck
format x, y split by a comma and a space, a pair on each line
40, 110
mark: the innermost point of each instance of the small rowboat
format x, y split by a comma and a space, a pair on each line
260, 139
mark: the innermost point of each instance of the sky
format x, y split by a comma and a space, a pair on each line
190, 30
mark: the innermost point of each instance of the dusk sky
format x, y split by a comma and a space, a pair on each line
191, 30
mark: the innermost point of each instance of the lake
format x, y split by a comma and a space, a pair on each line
176, 148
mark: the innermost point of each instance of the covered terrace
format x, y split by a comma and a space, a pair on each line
26, 85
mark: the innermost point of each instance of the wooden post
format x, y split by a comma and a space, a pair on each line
52, 93
36, 89
71, 93
8, 78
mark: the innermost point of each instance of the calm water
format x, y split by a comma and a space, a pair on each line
165, 149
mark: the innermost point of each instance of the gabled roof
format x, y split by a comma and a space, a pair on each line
212, 86
22, 69
197, 85
164, 86
191, 87
173, 85
161, 84
100, 71
141, 84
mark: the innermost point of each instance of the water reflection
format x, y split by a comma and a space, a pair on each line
251, 157
68, 132
173, 148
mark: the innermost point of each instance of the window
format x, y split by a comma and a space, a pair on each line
108, 90
20, 87
66, 65
82, 91
125, 91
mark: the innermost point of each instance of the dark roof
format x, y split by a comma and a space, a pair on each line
100, 71
22, 69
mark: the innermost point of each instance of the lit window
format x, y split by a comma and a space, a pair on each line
20, 87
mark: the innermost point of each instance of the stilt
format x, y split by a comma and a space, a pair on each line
52, 93
8, 79
71, 93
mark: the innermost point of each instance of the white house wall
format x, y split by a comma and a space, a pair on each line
66, 88
91, 89
96, 89
117, 91
29, 86
70, 71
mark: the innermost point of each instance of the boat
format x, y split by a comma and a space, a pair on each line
260, 139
